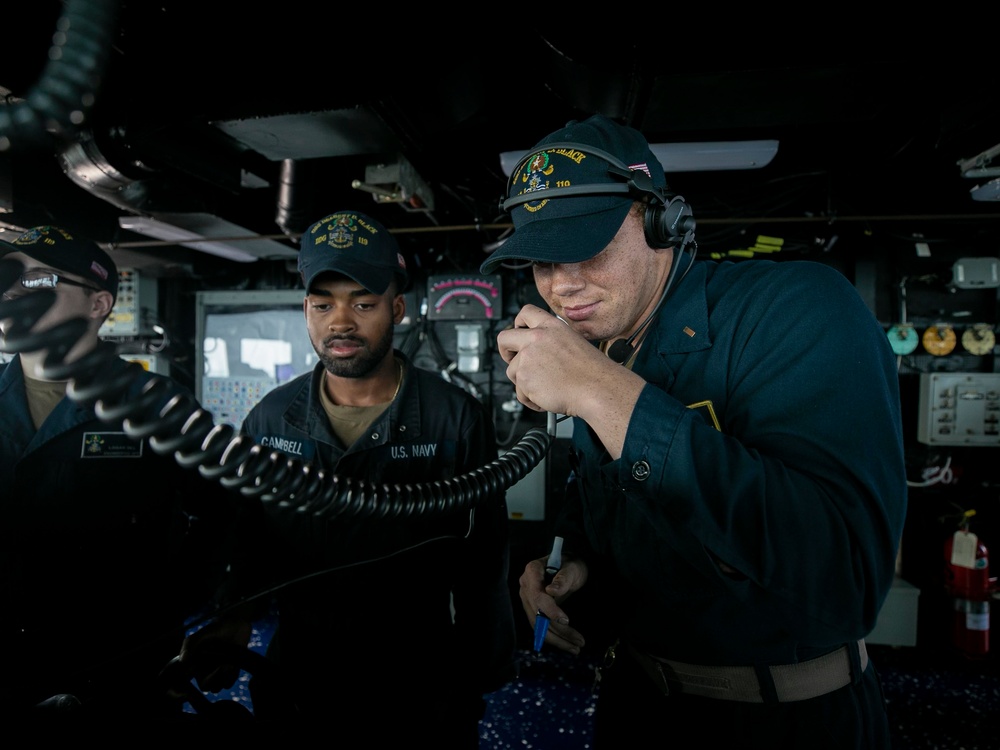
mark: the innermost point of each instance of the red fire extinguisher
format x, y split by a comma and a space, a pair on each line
967, 581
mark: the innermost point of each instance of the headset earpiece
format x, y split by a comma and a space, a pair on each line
669, 222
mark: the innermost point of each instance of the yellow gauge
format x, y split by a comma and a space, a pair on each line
939, 340
979, 339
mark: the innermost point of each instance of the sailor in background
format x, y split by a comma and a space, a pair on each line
389, 627
106, 547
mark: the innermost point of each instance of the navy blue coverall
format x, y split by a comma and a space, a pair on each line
398, 624
755, 513
106, 548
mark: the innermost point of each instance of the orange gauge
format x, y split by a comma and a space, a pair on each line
939, 340
979, 339
903, 338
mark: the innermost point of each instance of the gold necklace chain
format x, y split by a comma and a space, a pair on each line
399, 380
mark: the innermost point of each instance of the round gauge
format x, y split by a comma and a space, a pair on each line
903, 338
979, 339
939, 340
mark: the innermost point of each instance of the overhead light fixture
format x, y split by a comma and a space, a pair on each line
978, 166
712, 156
207, 234
706, 156
162, 231
989, 191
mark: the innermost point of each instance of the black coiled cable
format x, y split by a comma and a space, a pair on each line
59, 104
175, 423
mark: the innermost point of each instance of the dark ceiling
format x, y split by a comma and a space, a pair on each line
236, 123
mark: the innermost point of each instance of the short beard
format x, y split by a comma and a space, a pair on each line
364, 362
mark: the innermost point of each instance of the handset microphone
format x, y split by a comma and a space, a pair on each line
621, 349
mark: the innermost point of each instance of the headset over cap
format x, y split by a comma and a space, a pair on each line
571, 193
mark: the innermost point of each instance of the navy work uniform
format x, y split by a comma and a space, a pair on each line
748, 531
106, 548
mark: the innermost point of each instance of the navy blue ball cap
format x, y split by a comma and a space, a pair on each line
571, 193
61, 251
353, 244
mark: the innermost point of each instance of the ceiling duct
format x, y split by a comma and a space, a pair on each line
88, 168
295, 198
119, 174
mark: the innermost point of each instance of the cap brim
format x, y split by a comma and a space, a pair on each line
570, 239
373, 278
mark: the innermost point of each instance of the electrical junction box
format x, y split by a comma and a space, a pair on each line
958, 408
976, 273
136, 307
150, 362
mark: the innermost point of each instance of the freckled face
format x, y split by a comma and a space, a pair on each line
607, 296
349, 327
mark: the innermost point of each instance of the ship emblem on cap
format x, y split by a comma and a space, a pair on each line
343, 232
535, 173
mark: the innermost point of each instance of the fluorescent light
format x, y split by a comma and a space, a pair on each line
208, 234
710, 156
989, 191
704, 156
163, 231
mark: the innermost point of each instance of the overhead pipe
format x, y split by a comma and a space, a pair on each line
294, 206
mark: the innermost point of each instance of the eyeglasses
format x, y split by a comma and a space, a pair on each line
33, 280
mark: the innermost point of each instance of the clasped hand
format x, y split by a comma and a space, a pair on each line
536, 597
549, 363
218, 637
